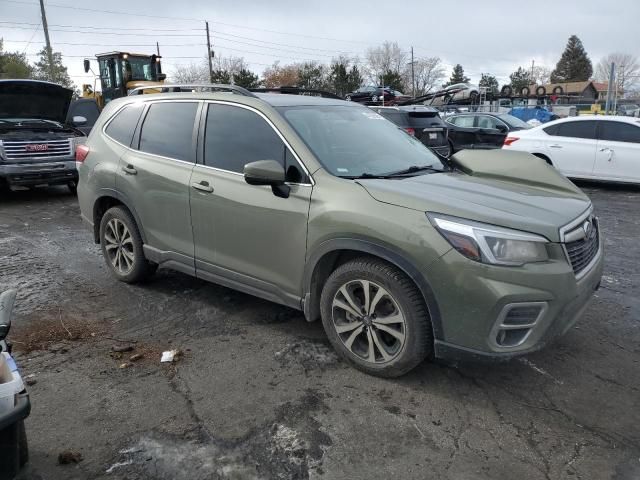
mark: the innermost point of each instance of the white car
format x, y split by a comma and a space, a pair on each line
591, 147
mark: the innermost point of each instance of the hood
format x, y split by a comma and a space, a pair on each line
525, 194
34, 99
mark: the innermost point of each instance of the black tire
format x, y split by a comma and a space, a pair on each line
348, 98
541, 91
23, 445
558, 90
452, 148
506, 91
401, 294
73, 187
139, 268
9, 452
525, 91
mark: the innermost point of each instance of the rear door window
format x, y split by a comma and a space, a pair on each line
168, 130
122, 127
577, 129
619, 132
463, 121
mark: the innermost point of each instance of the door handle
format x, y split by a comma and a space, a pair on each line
555, 145
203, 186
608, 150
605, 149
129, 169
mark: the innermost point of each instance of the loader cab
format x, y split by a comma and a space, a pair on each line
121, 72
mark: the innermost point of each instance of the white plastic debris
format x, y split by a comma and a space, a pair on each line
169, 356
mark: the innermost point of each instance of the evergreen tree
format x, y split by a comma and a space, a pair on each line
520, 79
221, 76
312, 75
354, 79
246, 78
457, 76
393, 80
574, 64
490, 82
56, 73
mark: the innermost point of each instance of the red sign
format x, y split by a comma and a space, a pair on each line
43, 147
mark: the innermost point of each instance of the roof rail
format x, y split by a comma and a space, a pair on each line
194, 87
296, 91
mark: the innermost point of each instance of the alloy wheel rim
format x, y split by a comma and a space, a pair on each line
368, 321
119, 246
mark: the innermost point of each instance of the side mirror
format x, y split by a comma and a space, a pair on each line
264, 172
87, 66
162, 77
6, 306
79, 121
502, 128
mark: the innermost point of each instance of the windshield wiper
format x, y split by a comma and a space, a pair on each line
363, 175
412, 169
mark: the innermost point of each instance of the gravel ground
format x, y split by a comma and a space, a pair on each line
258, 392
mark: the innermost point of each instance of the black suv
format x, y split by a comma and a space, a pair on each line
422, 122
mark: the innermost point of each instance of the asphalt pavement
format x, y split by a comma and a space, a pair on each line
257, 392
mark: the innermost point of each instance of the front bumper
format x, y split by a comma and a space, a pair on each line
472, 298
51, 173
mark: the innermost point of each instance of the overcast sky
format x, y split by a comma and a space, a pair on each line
484, 36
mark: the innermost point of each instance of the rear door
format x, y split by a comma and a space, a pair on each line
491, 131
571, 146
154, 177
463, 135
245, 235
618, 152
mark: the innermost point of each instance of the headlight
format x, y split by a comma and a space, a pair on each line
490, 244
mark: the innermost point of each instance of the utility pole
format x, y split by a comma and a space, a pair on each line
48, 42
609, 87
413, 77
209, 53
158, 48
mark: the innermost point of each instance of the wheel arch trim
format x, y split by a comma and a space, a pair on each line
380, 250
109, 192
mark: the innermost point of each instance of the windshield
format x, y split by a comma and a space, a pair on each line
351, 141
514, 122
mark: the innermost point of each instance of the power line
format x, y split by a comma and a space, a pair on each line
119, 44
115, 28
94, 10
114, 33
279, 44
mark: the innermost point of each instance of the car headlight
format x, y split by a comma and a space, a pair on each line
490, 244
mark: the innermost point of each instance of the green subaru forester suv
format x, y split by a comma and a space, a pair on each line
324, 206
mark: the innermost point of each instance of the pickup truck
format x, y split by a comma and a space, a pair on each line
37, 143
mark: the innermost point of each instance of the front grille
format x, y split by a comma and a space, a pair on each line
26, 150
581, 252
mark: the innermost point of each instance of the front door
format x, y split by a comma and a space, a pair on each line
246, 236
618, 152
154, 176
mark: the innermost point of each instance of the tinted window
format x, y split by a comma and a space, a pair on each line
485, 121
584, 129
236, 136
619, 132
394, 116
465, 122
121, 128
168, 130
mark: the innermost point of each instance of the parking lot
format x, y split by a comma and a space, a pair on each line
259, 393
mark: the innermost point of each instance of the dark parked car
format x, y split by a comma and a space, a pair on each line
422, 122
371, 94
86, 108
37, 145
481, 130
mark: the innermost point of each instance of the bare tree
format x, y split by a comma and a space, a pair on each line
191, 73
627, 71
387, 58
232, 65
541, 75
428, 72
280, 76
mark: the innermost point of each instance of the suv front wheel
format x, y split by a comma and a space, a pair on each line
376, 318
121, 246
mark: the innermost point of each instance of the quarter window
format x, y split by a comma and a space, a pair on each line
619, 132
577, 129
168, 130
121, 128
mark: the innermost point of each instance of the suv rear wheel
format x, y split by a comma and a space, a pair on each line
122, 246
376, 318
